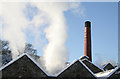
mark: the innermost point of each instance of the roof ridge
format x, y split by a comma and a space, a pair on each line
66, 67
73, 63
107, 64
87, 68
24, 54
12, 61
93, 64
113, 71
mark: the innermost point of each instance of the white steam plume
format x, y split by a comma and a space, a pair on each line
0, 19
14, 24
0, 7
55, 52
52, 14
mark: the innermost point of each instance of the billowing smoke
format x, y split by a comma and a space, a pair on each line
51, 16
55, 53
14, 23
1, 23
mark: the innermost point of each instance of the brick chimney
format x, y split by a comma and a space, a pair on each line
87, 40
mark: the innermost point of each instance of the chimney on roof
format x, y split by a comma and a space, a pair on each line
87, 40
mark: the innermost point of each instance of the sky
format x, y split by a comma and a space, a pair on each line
119, 34
104, 20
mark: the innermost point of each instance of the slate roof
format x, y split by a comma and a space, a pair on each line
92, 67
85, 68
114, 74
104, 73
22, 64
109, 74
108, 66
77, 69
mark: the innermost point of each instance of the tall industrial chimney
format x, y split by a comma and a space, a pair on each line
87, 40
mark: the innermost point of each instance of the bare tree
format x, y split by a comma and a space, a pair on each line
6, 54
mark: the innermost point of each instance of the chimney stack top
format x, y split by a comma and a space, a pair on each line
87, 24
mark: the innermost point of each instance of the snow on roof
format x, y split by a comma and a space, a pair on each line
113, 71
84, 56
38, 65
107, 73
88, 68
12, 61
66, 68
73, 63
93, 64
104, 74
21, 57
